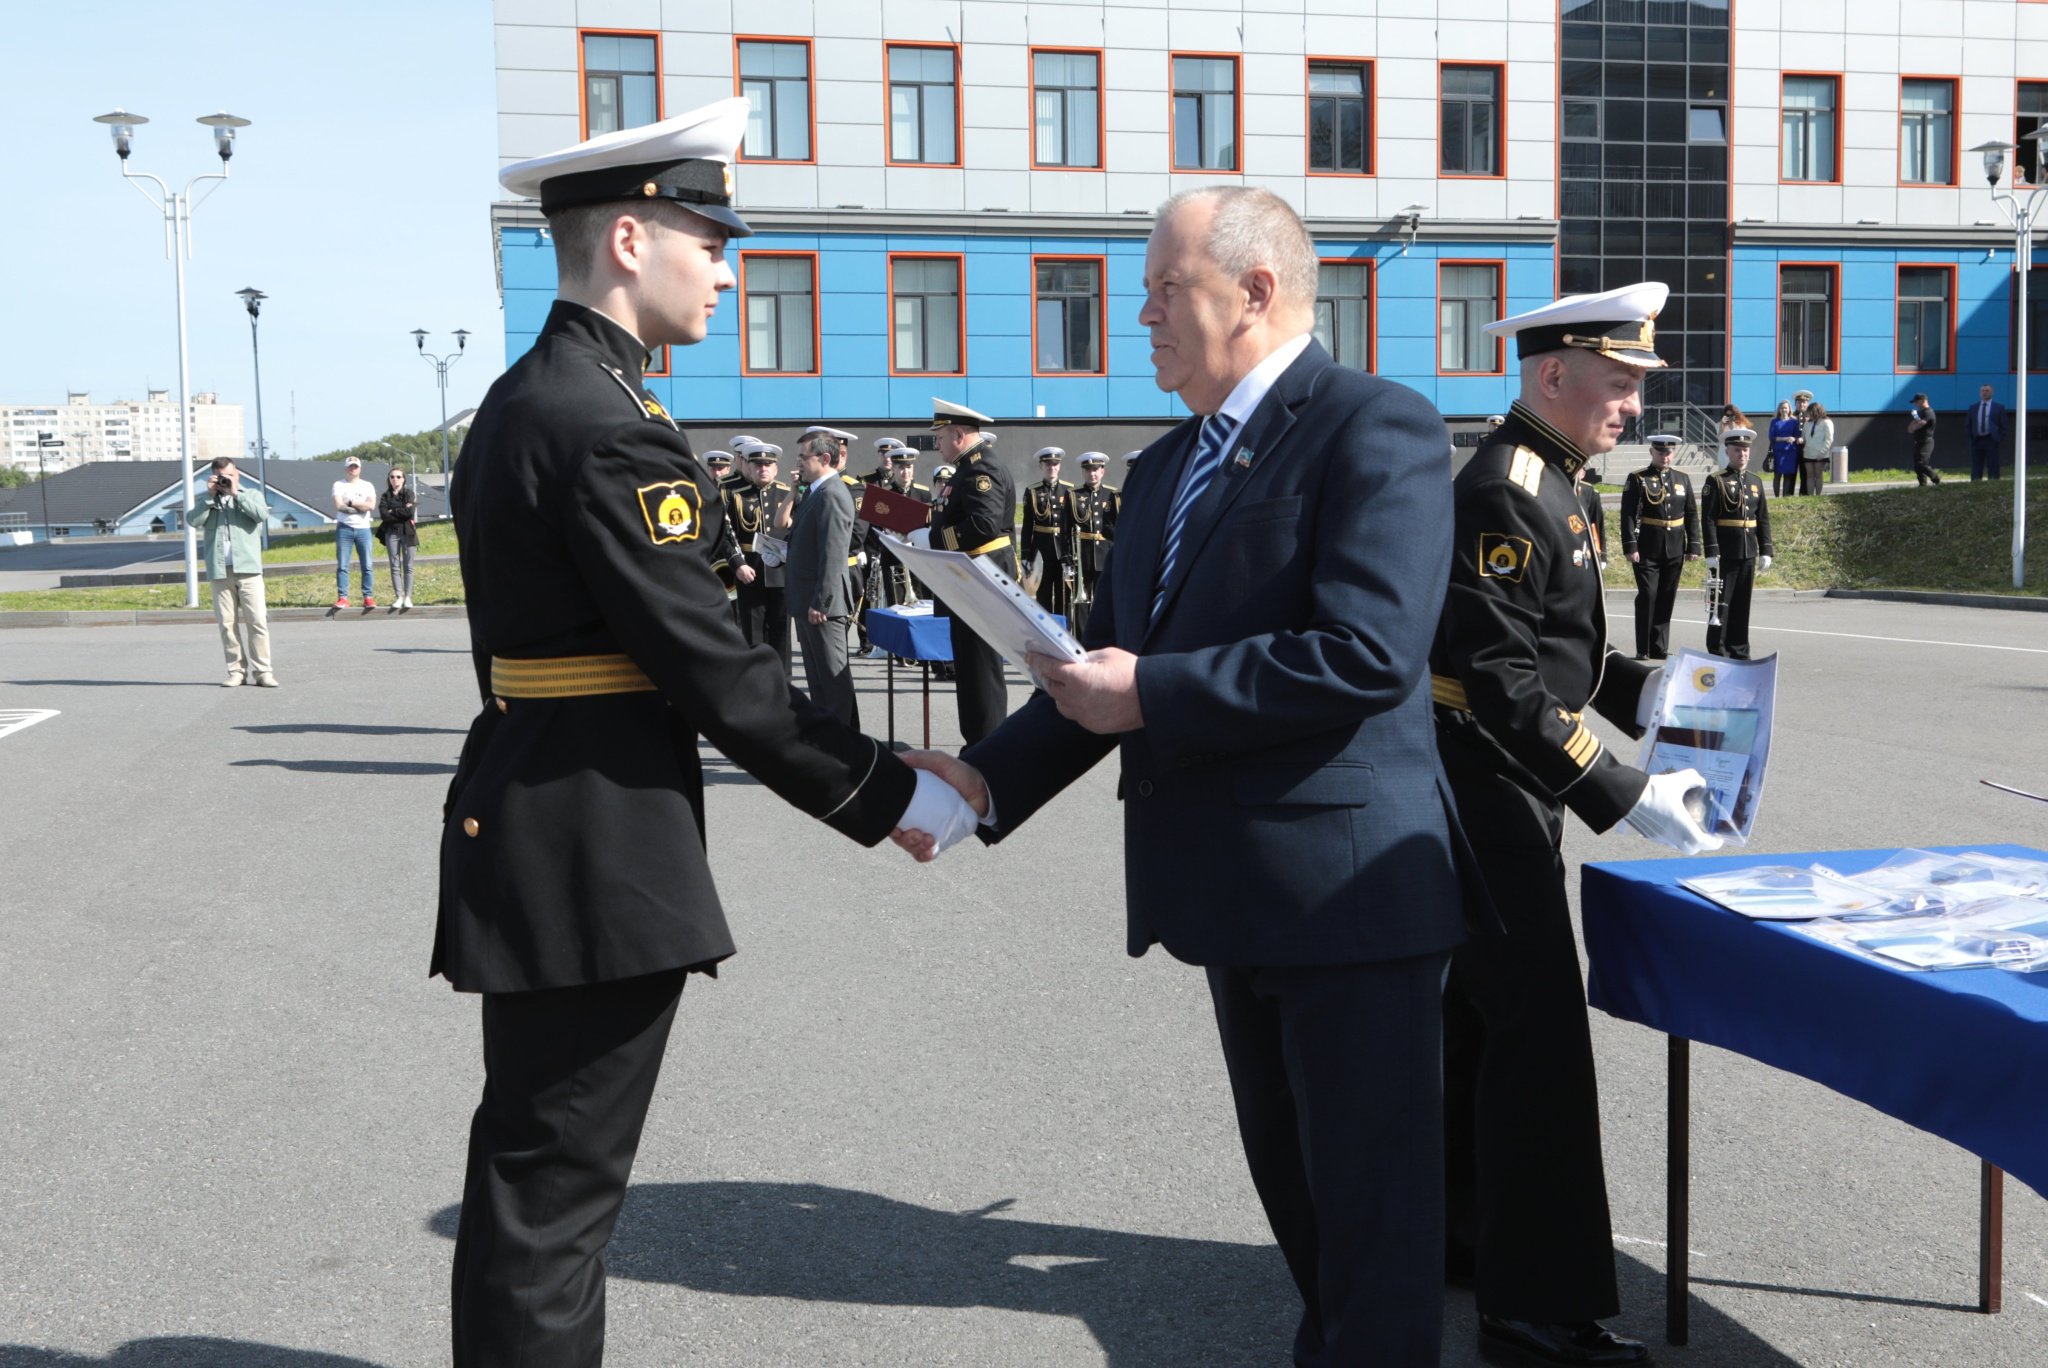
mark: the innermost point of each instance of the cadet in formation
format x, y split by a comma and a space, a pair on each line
1096, 506
1660, 532
1049, 531
1736, 522
759, 509
897, 586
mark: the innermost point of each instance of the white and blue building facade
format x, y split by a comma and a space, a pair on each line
951, 196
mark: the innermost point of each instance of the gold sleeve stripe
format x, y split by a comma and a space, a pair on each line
1526, 469
1582, 746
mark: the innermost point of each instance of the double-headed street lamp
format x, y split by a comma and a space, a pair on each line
2024, 217
253, 299
441, 365
176, 208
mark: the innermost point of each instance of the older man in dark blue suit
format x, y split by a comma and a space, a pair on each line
1258, 652
1987, 425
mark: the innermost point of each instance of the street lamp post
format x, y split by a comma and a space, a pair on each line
43, 441
441, 365
253, 299
176, 208
2023, 216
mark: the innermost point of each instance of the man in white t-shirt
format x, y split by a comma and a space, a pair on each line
354, 502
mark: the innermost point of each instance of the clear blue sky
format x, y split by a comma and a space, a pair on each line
359, 202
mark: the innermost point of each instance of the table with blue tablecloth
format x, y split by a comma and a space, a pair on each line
914, 633
1961, 1054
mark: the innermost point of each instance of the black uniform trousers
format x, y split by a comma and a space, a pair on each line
1052, 585
1738, 582
982, 694
764, 616
1525, 1186
568, 1074
1923, 467
1334, 1072
1656, 596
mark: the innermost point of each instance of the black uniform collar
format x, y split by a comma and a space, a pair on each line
620, 349
1524, 428
973, 454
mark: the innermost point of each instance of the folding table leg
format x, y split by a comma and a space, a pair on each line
892, 702
1991, 1239
927, 704
1678, 1191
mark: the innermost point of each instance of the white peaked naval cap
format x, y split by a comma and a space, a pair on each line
1615, 323
686, 160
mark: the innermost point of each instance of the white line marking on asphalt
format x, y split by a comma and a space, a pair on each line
2041, 1300
20, 719
1659, 1244
1859, 636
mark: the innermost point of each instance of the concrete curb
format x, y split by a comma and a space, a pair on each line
157, 617
2017, 602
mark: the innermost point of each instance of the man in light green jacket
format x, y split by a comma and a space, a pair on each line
229, 521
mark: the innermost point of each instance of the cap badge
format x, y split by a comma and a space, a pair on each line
650, 189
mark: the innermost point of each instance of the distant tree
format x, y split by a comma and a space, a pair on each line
14, 477
423, 448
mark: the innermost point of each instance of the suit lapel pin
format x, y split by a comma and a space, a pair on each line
1244, 458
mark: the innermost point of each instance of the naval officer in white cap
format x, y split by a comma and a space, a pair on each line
979, 518
575, 892
1521, 652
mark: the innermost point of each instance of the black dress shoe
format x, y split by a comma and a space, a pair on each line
1577, 1344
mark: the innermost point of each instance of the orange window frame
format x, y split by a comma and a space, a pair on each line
1841, 119
1898, 274
1834, 270
1500, 130
1372, 304
1372, 114
1500, 286
959, 261
1955, 132
1101, 106
661, 368
1236, 60
817, 340
810, 95
1101, 315
2018, 86
583, 82
959, 108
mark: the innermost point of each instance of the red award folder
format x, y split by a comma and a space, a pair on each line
897, 512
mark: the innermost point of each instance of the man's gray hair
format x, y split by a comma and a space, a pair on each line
1255, 227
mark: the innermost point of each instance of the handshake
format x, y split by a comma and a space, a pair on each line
950, 802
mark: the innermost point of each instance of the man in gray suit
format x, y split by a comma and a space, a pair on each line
816, 588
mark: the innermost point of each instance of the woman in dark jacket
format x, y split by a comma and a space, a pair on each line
1786, 443
398, 529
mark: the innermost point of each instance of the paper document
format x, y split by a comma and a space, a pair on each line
988, 601
2006, 933
1784, 893
1714, 716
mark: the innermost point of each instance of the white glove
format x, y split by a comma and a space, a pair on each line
1660, 814
1763, 563
937, 809
1714, 563
921, 537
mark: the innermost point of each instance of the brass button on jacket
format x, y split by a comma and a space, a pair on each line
470, 826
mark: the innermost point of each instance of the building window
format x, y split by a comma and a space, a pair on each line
657, 363
1470, 134
1340, 117
1806, 318
620, 87
1922, 338
1810, 121
1067, 315
776, 79
1927, 132
925, 314
1468, 298
1706, 124
1205, 113
1344, 312
2033, 117
1579, 120
1066, 109
779, 311
924, 104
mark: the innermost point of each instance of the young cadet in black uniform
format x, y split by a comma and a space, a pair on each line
761, 504
980, 518
1049, 530
897, 584
575, 892
1096, 506
1520, 652
1660, 532
1737, 524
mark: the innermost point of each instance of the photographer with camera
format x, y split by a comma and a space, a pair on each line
229, 523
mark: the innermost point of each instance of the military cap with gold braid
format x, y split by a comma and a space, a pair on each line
1615, 323
945, 413
686, 160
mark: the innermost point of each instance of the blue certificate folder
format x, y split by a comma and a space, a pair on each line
1962, 1055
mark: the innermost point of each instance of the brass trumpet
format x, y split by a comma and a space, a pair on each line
1715, 586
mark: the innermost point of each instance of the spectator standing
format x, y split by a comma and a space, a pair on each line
398, 528
1787, 450
1988, 422
1920, 427
818, 589
1817, 441
354, 502
229, 524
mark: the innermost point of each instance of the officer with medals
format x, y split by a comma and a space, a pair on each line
1660, 532
979, 518
1096, 506
761, 506
575, 892
1520, 652
1737, 524
1049, 530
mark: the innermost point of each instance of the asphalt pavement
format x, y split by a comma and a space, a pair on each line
927, 1116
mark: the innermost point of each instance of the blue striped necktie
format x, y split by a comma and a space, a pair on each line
1201, 471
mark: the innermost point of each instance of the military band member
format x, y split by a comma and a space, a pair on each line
575, 892
1049, 530
1521, 651
979, 518
734, 477
1736, 522
1096, 506
897, 585
1660, 532
762, 505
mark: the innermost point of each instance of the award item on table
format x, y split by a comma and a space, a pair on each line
892, 510
1926, 882
1785, 893
1714, 716
989, 602
2005, 933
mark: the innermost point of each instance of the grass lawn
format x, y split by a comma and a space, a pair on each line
431, 584
436, 539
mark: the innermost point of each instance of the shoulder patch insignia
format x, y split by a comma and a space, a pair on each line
671, 511
1526, 470
1503, 557
654, 408
983, 484
1576, 523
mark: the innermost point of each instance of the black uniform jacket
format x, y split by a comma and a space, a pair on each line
573, 849
1660, 519
1522, 648
751, 510
980, 513
1049, 511
1730, 501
